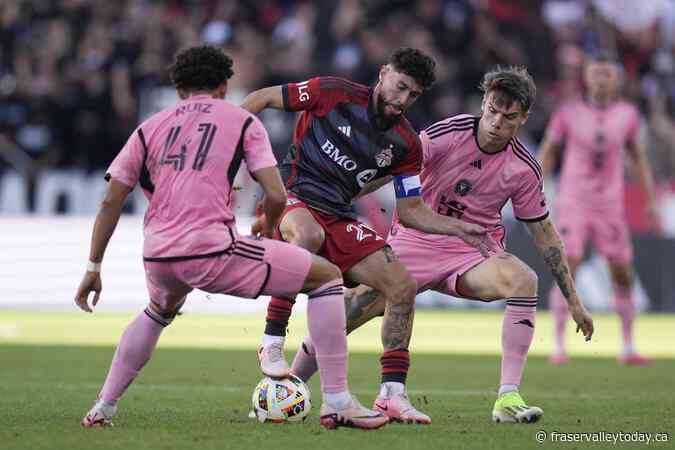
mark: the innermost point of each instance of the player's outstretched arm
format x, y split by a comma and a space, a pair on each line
269, 97
549, 244
414, 213
106, 221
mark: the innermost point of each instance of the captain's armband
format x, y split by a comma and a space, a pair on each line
407, 186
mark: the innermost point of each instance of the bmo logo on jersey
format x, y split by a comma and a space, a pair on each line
334, 153
303, 91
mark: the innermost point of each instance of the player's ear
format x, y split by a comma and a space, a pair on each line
383, 70
525, 116
183, 94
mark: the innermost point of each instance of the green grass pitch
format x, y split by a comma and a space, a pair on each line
195, 392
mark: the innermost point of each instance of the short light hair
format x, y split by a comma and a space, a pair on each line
511, 84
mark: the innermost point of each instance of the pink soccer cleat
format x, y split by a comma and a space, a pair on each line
634, 359
558, 359
272, 361
399, 409
99, 416
354, 416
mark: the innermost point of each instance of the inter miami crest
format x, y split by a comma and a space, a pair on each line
462, 188
383, 159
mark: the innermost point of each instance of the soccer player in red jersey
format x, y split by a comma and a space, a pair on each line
185, 159
350, 139
594, 132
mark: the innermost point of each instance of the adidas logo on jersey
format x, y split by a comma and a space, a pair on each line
346, 130
478, 164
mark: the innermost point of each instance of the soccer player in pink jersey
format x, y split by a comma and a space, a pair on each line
185, 159
349, 140
472, 167
594, 131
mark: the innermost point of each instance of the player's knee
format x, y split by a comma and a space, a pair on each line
527, 282
520, 282
330, 271
167, 312
401, 290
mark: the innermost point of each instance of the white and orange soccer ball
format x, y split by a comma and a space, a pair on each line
283, 400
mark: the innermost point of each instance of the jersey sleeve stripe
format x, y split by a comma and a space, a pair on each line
444, 123
144, 180
528, 160
238, 154
445, 131
527, 154
534, 219
349, 87
284, 96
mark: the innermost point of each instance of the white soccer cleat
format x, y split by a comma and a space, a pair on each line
272, 361
99, 416
354, 416
399, 409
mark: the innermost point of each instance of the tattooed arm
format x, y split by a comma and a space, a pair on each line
549, 244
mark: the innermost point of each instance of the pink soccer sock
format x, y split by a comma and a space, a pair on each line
327, 324
304, 363
560, 313
624, 305
517, 334
134, 350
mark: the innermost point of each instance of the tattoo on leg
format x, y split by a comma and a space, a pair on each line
357, 306
553, 257
390, 255
397, 325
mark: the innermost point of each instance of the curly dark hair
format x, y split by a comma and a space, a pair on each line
204, 67
415, 64
513, 83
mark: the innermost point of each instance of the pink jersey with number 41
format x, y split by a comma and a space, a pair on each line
185, 158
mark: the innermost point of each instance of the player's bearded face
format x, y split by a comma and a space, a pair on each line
396, 93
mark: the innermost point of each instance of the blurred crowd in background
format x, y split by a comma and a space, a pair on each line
76, 76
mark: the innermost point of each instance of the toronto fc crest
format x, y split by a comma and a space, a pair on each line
384, 158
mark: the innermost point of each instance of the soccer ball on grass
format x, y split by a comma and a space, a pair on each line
281, 400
